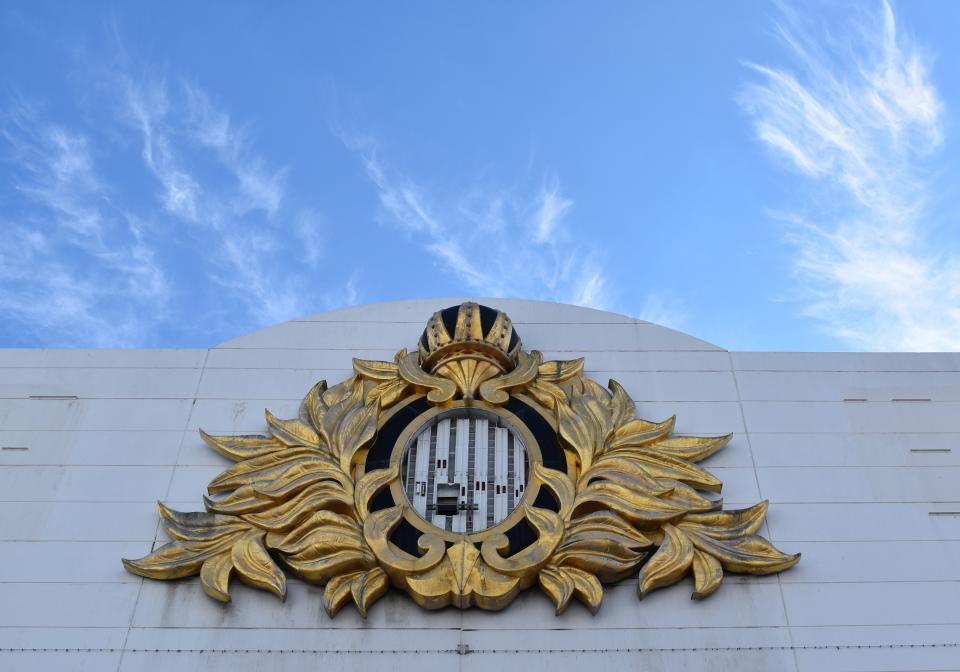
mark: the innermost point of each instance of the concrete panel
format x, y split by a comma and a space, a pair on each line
736, 605
615, 638
51, 605
67, 561
190, 483
77, 521
84, 484
832, 417
256, 384
874, 635
147, 358
845, 361
603, 361
739, 485
12, 637
690, 660
855, 450
284, 661
242, 416
879, 647
44, 661
333, 336
195, 452
911, 602
673, 385
277, 359
881, 658
185, 605
827, 562
98, 383
856, 484
734, 454
696, 417
323, 639
94, 414
96, 447
862, 522
295, 383
837, 386
610, 362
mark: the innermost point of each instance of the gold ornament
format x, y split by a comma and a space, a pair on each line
323, 496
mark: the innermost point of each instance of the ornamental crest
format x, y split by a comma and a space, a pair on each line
462, 474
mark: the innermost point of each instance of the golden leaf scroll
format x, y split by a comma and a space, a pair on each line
631, 501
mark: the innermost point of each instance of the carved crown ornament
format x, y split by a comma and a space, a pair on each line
462, 474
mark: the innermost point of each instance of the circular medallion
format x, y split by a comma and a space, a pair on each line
465, 470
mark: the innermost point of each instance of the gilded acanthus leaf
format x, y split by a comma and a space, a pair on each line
636, 433
495, 390
368, 588
439, 390
197, 538
603, 544
707, 574
669, 563
176, 559
622, 408
692, 448
239, 448
659, 465
371, 369
319, 526
255, 566
640, 509
370, 485
215, 576
630, 499
731, 524
326, 495
751, 554
364, 587
562, 583
560, 371
292, 432
267, 468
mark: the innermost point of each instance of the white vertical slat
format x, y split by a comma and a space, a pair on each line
442, 462
500, 475
422, 471
460, 474
480, 475
520, 476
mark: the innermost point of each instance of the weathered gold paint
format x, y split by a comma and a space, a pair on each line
630, 498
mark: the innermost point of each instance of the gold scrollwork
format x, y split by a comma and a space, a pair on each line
632, 499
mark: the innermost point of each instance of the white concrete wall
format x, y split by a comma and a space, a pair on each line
854, 452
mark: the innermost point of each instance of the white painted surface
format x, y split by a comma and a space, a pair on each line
852, 484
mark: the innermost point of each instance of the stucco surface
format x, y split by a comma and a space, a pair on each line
857, 453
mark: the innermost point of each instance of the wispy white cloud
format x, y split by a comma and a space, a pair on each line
101, 248
73, 267
237, 204
496, 242
861, 119
664, 307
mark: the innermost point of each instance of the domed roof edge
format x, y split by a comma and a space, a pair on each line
418, 311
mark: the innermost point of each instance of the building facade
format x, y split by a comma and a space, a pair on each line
857, 454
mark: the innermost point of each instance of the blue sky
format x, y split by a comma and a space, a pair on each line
763, 176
